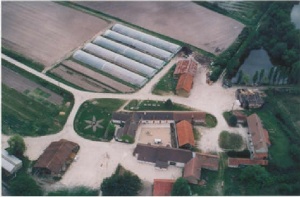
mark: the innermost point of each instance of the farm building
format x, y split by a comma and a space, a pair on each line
193, 117
10, 163
237, 162
249, 98
240, 116
56, 158
258, 138
132, 120
185, 67
162, 156
162, 187
184, 85
192, 170
185, 134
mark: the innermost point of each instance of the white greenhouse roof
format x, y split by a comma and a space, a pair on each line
10, 163
120, 60
168, 46
139, 45
110, 68
129, 52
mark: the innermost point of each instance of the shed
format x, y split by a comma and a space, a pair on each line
185, 134
162, 187
184, 85
10, 163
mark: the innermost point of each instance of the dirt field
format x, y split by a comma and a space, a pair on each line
148, 134
184, 21
46, 31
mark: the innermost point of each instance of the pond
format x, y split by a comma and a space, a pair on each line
258, 63
295, 15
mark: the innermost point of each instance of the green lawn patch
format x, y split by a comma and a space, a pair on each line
230, 141
211, 121
28, 62
151, 105
93, 112
29, 113
167, 84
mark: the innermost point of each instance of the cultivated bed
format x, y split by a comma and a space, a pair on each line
46, 31
184, 21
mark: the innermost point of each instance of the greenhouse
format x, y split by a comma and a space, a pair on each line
141, 46
120, 60
110, 68
162, 44
129, 52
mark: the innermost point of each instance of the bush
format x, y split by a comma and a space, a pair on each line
17, 146
24, 185
76, 191
231, 141
181, 188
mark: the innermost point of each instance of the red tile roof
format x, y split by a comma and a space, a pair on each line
235, 162
189, 116
210, 162
186, 66
185, 82
192, 170
185, 133
240, 115
162, 187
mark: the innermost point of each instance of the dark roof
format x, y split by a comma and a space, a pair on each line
155, 115
239, 115
189, 116
252, 97
158, 154
122, 116
162, 187
185, 133
55, 155
236, 162
257, 134
186, 66
185, 82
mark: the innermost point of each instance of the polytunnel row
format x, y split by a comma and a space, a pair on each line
157, 42
120, 60
129, 52
110, 68
142, 46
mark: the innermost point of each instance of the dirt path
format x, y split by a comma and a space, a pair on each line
98, 160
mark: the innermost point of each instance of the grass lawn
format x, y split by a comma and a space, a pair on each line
167, 84
31, 114
230, 141
150, 105
101, 111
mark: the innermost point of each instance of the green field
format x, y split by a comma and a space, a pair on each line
29, 113
102, 110
167, 84
150, 105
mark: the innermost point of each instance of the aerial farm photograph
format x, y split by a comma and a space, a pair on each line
150, 98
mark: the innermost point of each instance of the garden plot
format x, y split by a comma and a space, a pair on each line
28, 87
184, 21
46, 31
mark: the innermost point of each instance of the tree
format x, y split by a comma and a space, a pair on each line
255, 77
127, 184
181, 188
240, 77
261, 75
232, 121
169, 104
254, 178
24, 185
245, 79
295, 73
17, 146
271, 74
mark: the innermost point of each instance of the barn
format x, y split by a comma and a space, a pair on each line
56, 158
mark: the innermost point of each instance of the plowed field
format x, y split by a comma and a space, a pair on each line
184, 21
46, 31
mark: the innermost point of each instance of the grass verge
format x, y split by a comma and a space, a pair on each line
167, 84
151, 105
